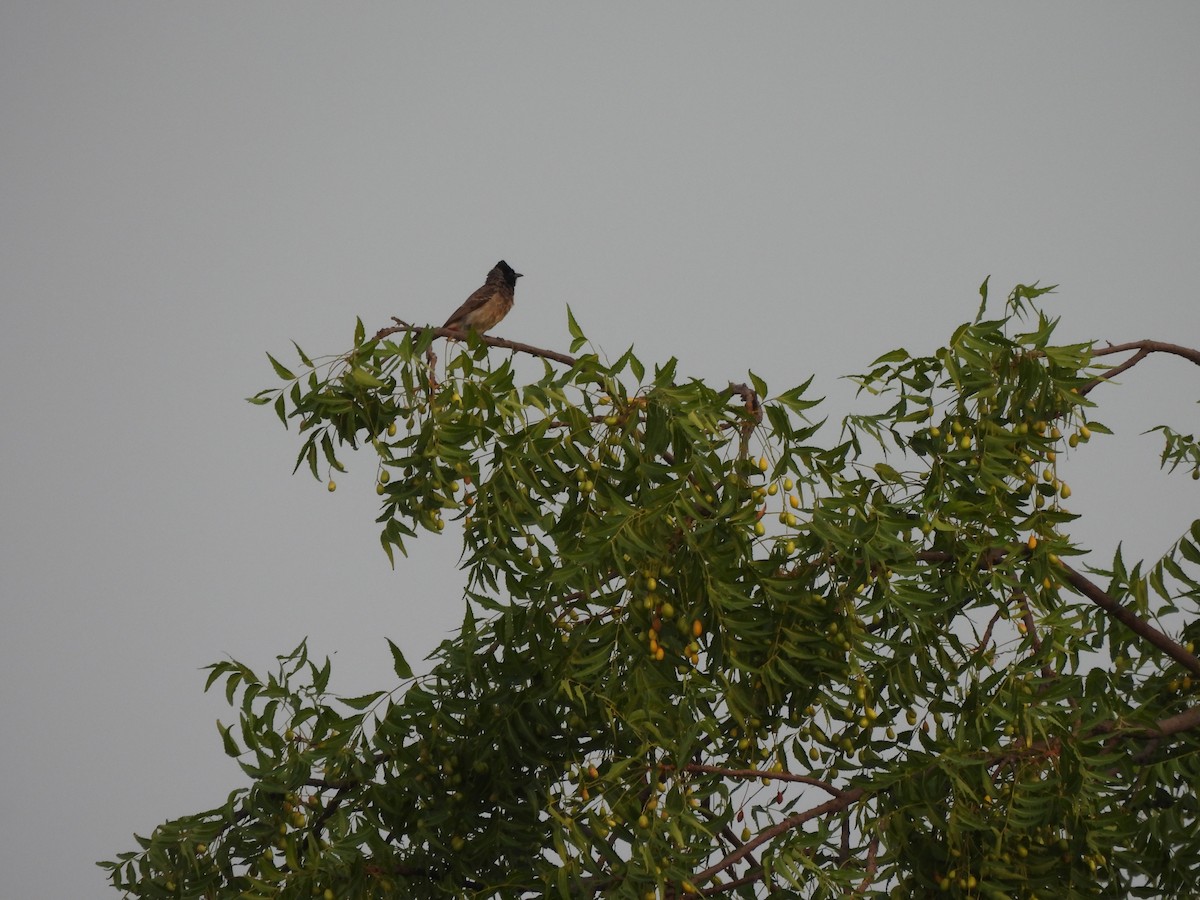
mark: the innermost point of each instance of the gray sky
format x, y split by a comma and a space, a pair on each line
795, 188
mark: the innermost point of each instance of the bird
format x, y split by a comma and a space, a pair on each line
489, 304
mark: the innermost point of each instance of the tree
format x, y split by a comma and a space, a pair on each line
705, 653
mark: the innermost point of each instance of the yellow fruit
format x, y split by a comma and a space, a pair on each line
1032, 542
763, 465
457, 843
332, 486
643, 821
392, 429
697, 628
759, 528
1064, 491
773, 488
384, 476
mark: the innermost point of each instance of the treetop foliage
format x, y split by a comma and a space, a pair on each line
712, 645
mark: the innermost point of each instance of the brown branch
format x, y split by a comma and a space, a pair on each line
734, 842
754, 407
1031, 631
1144, 349
872, 864
987, 633
1140, 627
1098, 596
750, 877
837, 804
762, 773
1184, 721
455, 334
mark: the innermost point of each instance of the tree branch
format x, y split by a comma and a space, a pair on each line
1143, 629
455, 334
1144, 349
762, 773
837, 804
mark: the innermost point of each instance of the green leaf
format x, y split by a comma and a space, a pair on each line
893, 356
280, 369
361, 703
330, 456
399, 663
231, 747
636, 367
303, 356
577, 336
320, 676
311, 456
364, 379
360, 333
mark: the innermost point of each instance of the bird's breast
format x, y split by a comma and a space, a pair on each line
490, 313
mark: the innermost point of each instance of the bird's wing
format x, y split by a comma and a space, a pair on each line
476, 300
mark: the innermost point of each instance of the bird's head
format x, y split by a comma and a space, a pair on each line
505, 272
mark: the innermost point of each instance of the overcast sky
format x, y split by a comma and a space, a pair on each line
793, 187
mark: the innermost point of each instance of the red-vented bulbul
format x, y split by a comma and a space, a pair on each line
488, 305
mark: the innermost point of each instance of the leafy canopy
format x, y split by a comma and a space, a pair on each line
708, 650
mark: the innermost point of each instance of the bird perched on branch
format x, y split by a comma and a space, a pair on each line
488, 305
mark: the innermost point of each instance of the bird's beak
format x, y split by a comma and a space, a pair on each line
517, 275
